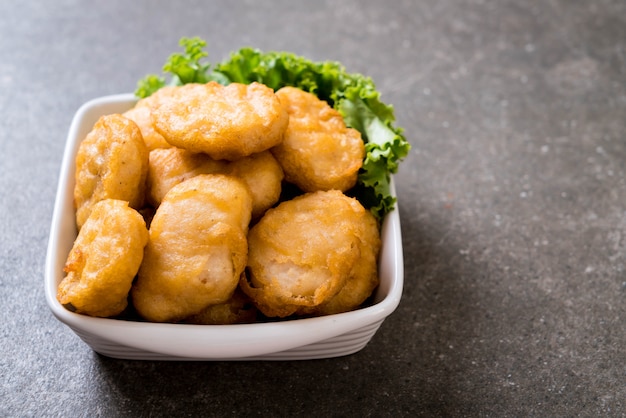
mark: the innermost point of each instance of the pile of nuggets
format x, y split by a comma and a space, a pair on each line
181, 215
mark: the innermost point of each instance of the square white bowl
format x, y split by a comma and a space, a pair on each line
297, 339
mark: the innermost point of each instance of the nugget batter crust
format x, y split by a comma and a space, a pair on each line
260, 172
111, 163
263, 176
318, 151
171, 166
305, 251
236, 310
197, 248
140, 114
104, 260
225, 122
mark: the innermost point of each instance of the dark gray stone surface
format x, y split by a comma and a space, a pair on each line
513, 206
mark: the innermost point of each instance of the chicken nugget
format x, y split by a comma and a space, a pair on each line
236, 310
364, 276
171, 166
140, 114
104, 260
225, 122
304, 252
197, 248
260, 172
263, 175
318, 151
111, 163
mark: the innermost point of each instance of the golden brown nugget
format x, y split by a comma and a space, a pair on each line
263, 175
171, 166
225, 122
260, 172
104, 260
364, 276
236, 310
304, 251
197, 248
318, 151
140, 114
111, 163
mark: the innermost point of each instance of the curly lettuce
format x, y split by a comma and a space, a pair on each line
352, 94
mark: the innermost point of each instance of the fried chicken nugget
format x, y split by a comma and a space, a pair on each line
236, 310
318, 151
261, 173
197, 248
111, 163
104, 260
263, 176
225, 122
306, 250
364, 277
140, 114
171, 166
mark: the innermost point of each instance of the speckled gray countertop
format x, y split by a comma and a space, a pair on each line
513, 206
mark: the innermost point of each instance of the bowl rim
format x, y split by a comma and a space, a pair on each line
204, 341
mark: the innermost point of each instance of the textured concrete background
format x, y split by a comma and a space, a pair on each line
513, 205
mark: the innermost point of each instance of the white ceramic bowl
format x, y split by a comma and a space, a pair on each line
299, 339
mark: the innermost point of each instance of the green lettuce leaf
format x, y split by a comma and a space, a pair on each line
148, 85
183, 68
